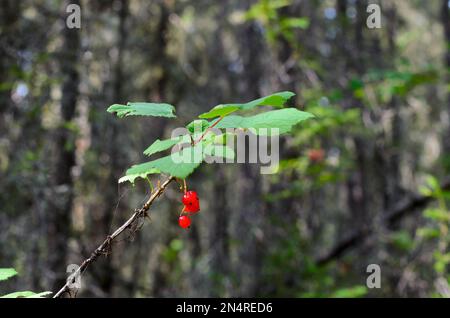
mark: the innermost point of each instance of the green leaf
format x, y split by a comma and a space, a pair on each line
432, 182
428, 233
219, 151
19, 294
282, 119
41, 294
436, 214
352, 292
220, 111
426, 191
180, 164
441, 261
161, 145
26, 294
131, 178
6, 273
302, 23
143, 109
199, 125
275, 100
402, 240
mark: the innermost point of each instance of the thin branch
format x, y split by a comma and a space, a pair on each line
105, 246
208, 129
401, 209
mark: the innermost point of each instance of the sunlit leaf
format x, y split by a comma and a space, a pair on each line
143, 109
132, 177
6, 273
274, 100
220, 111
283, 120
161, 145
180, 164
199, 125
26, 294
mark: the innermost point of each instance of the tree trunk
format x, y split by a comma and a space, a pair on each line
445, 18
218, 237
394, 186
61, 201
107, 272
9, 15
250, 213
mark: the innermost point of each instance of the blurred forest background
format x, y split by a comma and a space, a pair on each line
365, 182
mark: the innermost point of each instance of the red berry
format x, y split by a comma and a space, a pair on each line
316, 155
184, 221
189, 197
191, 202
192, 208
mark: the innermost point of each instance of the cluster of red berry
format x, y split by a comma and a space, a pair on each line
191, 206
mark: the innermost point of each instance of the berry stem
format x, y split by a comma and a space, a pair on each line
180, 183
182, 211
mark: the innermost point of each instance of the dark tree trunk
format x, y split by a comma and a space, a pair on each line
158, 92
250, 213
394, 188
61, 201
218, 237
358, 181
9, 15
445, 18
106, 272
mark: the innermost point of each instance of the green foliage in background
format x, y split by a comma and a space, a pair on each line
293, 254
438, 226
6, 273
267, 12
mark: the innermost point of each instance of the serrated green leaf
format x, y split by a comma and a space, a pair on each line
41, 294
219, 151
143, 109
187, 139
6, 273
282, 119
220, 111
161, 145
199, 125
275, 100
26, 294
23, 294
180, 164
133, 177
